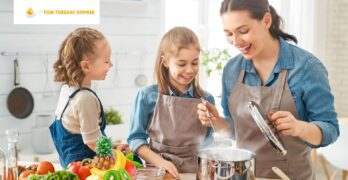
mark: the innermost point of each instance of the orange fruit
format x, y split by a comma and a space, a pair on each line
44, 167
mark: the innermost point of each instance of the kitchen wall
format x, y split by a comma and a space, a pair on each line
337, 54
133, 29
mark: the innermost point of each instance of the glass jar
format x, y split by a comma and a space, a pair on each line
12, 156
2, 164
150, 172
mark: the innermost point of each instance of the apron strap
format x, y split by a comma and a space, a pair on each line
66, 105
241, 76
282, 80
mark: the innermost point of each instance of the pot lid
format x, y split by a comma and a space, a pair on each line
261, 121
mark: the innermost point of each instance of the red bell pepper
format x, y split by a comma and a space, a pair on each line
81, 169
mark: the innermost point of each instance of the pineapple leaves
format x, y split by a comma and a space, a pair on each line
104, 146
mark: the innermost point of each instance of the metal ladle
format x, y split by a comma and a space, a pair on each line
209, 116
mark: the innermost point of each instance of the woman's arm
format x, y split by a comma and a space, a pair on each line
320, 127
153, 158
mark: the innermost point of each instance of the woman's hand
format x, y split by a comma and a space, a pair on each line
220, 124
202, 112
285, 123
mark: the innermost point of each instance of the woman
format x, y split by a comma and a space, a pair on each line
290, 85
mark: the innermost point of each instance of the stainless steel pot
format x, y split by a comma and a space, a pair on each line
216, 163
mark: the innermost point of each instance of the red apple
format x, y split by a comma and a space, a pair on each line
130, 168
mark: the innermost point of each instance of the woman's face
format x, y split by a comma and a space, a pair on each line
246, 34
183, 68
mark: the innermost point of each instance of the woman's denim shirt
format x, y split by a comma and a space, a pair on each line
143, 109
308, 83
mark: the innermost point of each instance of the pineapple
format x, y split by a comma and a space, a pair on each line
104, 159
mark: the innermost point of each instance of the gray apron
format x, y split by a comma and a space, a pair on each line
297, 163
175, 131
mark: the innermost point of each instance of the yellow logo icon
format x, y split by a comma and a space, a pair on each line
30, 11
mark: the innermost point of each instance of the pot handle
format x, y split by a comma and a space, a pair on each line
16, 72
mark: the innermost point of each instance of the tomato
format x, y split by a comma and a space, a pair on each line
130, 168
74, 167
44, 167
26, 173
81, 169
84, 172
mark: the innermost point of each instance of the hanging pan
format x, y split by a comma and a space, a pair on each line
20, 101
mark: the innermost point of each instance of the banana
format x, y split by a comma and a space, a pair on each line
98, 172
120, 161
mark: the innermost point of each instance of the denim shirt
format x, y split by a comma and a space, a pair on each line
308, 83
143, 109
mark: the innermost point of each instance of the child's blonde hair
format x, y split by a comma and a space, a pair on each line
172, 42
78, 45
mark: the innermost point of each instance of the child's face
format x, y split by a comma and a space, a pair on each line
100, 64
183, 68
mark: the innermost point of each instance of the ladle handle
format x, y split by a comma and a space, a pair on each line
280, 173
209, 115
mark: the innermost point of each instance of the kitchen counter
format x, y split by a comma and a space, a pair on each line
192, 176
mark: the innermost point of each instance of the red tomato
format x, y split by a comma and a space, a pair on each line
44, 167
130, 168
84, 172
74, 167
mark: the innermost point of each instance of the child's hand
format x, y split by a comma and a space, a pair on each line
202, 112
122, 147
168, 166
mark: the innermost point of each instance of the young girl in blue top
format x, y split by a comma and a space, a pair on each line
166, 112
83, 56
290, 84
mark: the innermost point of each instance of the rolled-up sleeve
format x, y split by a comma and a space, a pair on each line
139, 119
319, 102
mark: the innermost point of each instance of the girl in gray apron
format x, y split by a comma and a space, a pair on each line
284, 80
165, 129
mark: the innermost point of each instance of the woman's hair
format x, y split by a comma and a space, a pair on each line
257, 9
78, 45
172, 42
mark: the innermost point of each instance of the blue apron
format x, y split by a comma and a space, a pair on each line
70, 146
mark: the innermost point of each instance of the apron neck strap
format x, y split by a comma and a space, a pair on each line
282, 80
241, 76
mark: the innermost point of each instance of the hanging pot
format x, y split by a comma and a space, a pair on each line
216, 163
20, 101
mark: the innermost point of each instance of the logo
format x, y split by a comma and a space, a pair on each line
56, 12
